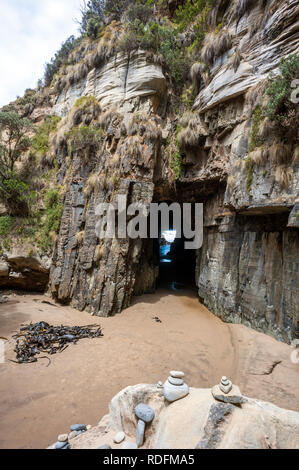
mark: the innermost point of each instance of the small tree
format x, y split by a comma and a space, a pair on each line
13, 144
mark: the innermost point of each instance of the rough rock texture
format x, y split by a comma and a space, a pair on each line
262, 41
123, 78
247, 270
197, 421
18, 270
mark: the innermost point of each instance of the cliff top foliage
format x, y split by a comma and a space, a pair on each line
149, 24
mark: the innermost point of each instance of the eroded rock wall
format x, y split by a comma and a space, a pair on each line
247, 270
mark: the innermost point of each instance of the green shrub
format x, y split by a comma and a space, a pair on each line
186, 13
256, 122
86, 101
94, 27
6, 224
54, 211
163, 41
28, 98
176, 155
279, 89
40, 142
139, 12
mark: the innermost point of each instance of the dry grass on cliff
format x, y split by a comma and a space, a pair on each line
259, 156
80, 237
283, 176
296, 156
92, 185
191, 130
99, 252
144, 126
111, 117
280, 154
215, 45
89, 55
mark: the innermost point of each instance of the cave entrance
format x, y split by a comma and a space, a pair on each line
177, 264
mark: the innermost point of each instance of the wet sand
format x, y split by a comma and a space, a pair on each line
39, 402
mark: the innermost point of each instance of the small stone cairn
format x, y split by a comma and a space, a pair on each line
227, 392
174, 387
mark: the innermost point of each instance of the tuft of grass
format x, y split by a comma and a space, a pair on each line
249, 166
256, 122
6, 225
40, 142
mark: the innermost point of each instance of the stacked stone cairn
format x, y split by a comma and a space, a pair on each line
227, 392
174, 387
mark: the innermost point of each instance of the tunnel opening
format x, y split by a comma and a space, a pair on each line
177, 264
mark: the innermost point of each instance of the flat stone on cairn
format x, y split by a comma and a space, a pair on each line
174, 387
227, 392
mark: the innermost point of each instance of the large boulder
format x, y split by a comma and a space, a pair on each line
196, 421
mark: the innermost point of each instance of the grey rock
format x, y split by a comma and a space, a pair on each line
175, 381
176, 374
61, 445
214, 430
105, 447
144, 412
73, 434
234, 396
120, 437
173, 392
129, 445
78, 427
140, 433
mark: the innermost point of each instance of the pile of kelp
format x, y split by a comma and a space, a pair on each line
42, 338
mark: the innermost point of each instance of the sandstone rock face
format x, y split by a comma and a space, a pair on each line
18, 270
248, 272
197, 421
247, 269
276, 36
120, 80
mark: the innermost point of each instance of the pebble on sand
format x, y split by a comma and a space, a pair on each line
63, 438
78, 427
120, 437
61, 445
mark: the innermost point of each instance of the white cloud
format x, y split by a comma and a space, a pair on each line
31, 31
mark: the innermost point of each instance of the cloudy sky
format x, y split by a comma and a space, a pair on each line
31, 31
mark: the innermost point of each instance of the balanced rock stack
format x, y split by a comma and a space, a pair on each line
227, 392
174, 387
